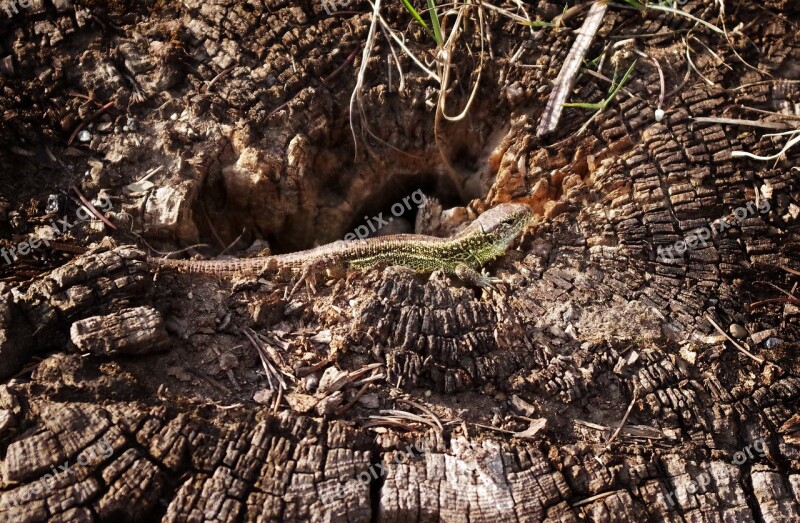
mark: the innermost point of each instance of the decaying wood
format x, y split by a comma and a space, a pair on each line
389, 396
34, 319
138, 330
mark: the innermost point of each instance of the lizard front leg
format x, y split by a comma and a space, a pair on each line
469, 275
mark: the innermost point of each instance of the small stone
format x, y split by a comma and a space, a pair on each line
522, 406
758, 337
515, 93
330, 403
84, 136
688, 355
311, 381
737, 331
370, 401
535, 426
791, 310
659, 114
228, 361
54, 204
771, 343
332, 380
263, 396
302, 403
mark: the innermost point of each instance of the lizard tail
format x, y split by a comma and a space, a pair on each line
215, 267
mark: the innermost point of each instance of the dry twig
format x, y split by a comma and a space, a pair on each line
89, 120
569, 70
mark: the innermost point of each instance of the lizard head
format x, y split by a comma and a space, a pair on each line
504, 223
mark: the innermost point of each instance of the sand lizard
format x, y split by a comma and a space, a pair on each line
461, 255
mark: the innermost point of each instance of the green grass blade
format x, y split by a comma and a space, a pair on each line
625, 77
594, 61
680, 12
583, 105
417, 16
621, 84
437, 31
615, 89
613, 81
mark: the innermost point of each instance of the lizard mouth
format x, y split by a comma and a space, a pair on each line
515, 231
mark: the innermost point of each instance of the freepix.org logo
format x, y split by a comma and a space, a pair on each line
99, 451
11, 7
331, 6
57, 227
700, 236
375, 223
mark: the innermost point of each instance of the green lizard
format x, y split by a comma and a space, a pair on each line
461, 255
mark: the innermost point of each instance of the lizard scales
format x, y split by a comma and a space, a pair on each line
485, 239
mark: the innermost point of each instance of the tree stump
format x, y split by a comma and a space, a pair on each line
639, 363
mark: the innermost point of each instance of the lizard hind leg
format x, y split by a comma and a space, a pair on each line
307, 277
309, 271
272, 269
469, 275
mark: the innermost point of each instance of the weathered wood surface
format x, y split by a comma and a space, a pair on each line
244, 107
